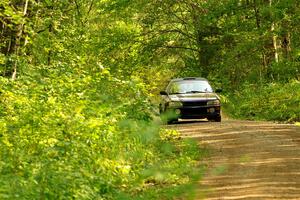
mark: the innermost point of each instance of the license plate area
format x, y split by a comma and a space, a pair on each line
211, 110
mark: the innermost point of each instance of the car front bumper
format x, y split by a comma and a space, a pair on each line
197, 112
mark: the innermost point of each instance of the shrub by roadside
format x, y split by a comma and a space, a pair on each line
274, 102
86, 137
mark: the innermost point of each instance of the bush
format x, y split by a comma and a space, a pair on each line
84, 137
276, 102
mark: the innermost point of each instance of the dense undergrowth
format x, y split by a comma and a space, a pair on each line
272, 102
87, 136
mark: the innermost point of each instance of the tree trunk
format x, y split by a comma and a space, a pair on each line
18, 41
274, 39
286, 45
275, 45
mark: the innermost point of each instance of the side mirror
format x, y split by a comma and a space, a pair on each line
163, 93
219, 90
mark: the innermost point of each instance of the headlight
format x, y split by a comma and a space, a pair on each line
213, 103
175, 104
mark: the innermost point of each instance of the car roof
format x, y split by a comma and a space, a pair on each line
188, 78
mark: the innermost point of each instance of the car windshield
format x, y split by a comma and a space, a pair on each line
194, 86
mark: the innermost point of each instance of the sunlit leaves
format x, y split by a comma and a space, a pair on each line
77, 122
89, 134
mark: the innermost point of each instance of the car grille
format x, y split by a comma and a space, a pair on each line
191, 112
194, 103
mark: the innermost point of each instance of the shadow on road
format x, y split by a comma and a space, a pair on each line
190, 121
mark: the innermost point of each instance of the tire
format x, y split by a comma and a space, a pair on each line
160, 109
172, 121
218, 119
215, 119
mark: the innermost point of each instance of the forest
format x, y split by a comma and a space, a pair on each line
80, 79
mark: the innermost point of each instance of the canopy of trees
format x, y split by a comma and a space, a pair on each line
252, 40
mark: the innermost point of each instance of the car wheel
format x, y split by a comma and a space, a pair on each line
172, 121
160, 109
215, 119
218, 119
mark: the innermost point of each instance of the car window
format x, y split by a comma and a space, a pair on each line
189, 87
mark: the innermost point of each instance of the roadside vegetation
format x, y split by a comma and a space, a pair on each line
76, 120
79, 82
88, 136
278, 102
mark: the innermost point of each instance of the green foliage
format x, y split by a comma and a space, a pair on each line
77, 122
84, 136
275, 102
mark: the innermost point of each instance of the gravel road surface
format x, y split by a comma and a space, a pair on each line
247, 160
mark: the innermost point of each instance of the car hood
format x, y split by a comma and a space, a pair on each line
194, 97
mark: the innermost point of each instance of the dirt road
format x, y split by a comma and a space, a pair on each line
248, 160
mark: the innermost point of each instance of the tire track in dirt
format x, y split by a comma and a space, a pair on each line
247, 160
